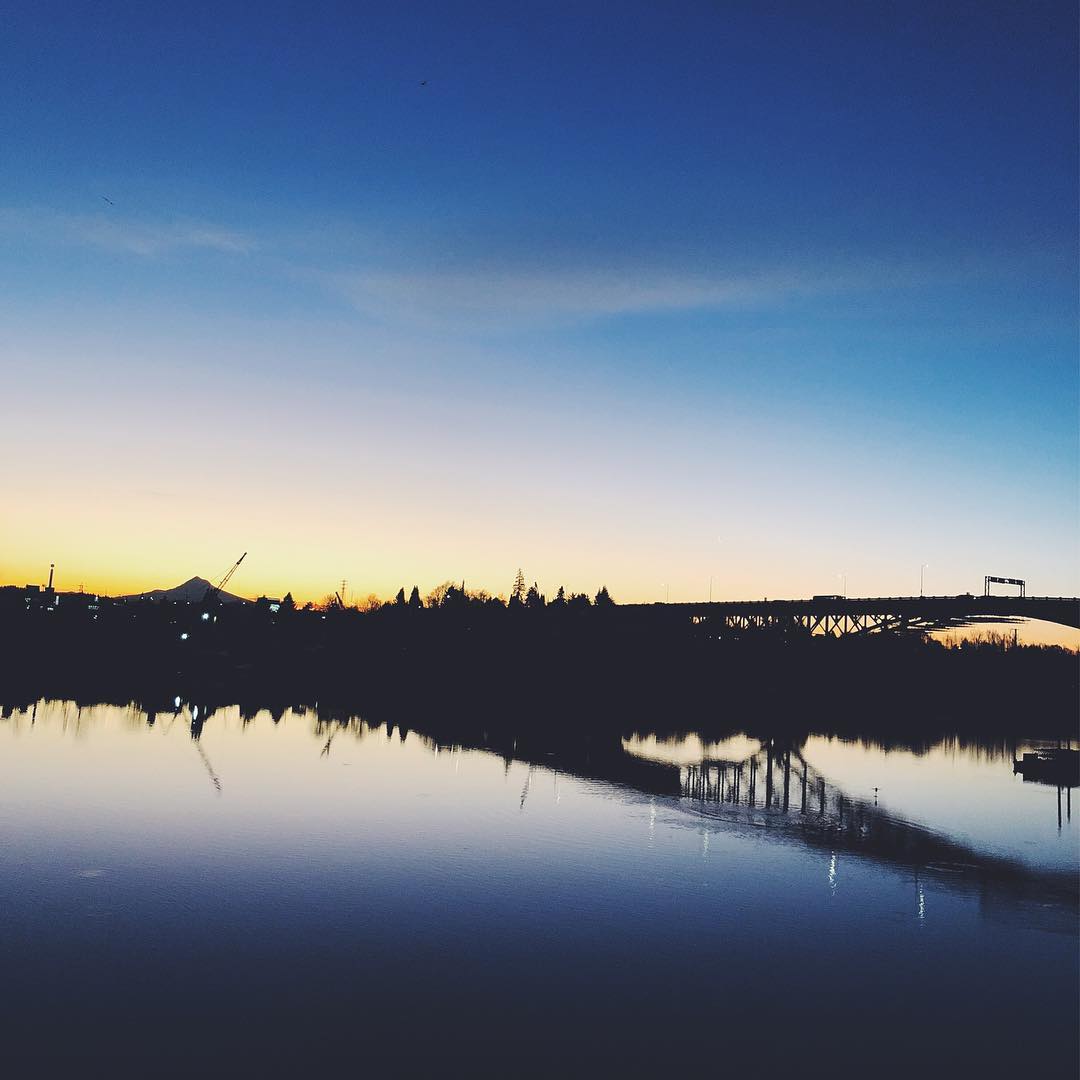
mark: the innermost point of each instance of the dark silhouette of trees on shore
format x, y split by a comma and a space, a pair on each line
584, 659
451, 596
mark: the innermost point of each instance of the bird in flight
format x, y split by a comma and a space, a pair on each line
423, 82
108, 200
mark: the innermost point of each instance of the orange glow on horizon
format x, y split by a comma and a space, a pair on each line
305, 590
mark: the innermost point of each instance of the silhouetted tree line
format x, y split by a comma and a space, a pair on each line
584, 661
450, 596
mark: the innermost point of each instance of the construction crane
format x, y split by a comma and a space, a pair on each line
214, 778
196, 738
214, 591
326, 749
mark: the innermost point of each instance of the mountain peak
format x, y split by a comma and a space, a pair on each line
191, 591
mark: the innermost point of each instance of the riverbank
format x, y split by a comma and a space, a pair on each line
596, 671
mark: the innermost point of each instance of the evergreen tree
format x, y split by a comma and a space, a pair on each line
534, 598
288, 603
400, 598
518, 592
603, 598
414, 598
560, 598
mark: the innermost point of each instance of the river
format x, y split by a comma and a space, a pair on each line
265, 894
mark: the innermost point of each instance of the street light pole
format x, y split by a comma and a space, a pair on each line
924, 566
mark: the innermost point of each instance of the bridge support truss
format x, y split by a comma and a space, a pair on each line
830, 624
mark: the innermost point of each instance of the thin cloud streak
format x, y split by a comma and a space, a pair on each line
573, 294
493, 296
521, 295
124, 235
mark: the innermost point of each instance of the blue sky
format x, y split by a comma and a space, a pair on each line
757, 292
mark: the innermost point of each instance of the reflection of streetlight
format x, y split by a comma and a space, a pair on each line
925, 566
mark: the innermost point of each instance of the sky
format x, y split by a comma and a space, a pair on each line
764, 298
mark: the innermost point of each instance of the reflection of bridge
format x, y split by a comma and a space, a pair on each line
777, 789
773, 787
840, 616
775, 777
777, 786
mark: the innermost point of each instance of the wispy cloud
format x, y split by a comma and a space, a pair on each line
528, 296
128, 235
416, 284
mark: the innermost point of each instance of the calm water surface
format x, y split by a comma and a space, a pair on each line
288, 894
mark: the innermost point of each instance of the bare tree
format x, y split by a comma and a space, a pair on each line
438, 594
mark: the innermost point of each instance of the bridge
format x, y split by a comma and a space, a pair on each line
841, 616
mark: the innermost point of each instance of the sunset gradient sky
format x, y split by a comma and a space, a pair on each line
640, 295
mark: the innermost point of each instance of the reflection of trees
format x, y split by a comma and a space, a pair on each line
773, 788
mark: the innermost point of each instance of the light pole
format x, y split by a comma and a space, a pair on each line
843, 576
667, 593
925, 566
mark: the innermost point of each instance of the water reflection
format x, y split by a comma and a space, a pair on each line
208, 871
776, 787
736, 781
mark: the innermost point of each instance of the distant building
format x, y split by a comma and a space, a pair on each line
273, 605
38, 599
